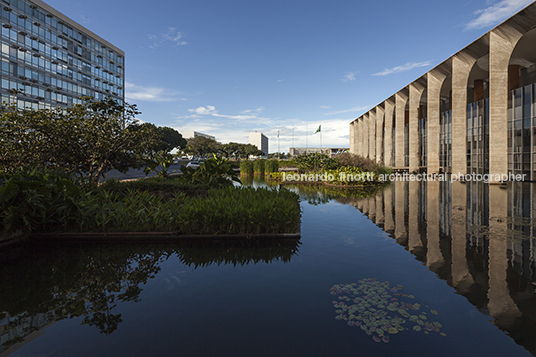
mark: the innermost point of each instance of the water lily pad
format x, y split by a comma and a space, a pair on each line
417, 328
379, 331
392, 331
434, 312
376, 338
443, 334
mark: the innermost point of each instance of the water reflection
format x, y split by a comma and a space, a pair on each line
41, 285
479, 238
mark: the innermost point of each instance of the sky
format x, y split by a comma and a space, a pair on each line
228, 67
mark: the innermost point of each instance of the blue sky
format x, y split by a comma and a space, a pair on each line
227, 67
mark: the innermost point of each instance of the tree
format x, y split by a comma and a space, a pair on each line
86, 139
159, 140
251, 149
201, 146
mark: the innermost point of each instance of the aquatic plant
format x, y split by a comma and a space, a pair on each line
271, 166
258, 166
246, 167
381, 310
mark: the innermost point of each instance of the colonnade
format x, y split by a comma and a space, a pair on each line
487, 69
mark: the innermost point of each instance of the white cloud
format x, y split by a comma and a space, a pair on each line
175, 36
172, 35
152, 94
354, 109
324, 107
406, 67
211, 110
496, 13
349, 76
279, 80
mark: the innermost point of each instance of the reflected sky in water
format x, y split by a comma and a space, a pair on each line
461, 256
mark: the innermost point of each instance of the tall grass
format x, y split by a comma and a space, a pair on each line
32, 203
246, 167
258, 166
271, 166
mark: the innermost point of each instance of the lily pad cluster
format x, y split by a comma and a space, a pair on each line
381, 310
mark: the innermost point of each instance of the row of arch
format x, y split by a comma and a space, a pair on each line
475, 112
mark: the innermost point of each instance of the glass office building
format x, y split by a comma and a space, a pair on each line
49, 60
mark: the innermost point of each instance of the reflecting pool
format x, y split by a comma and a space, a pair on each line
410, 269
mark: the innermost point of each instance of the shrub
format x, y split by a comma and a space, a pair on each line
30, 200
315, 162
258, 166
246, 167
271, 166
214, 172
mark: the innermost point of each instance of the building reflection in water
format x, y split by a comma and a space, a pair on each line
479, 238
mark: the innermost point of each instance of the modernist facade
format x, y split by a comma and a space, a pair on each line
260, 141
473, 113
49, 60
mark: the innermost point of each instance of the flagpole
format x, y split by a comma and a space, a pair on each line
320, 141
306, 139
278, 141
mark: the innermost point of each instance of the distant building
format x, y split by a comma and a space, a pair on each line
328, 151
192, 134
260, 141
49, 60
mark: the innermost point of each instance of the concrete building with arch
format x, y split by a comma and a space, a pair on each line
473, 113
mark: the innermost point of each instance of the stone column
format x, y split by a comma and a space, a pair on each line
359, 136
400, 224
372, 134
435, 81
461, 68
388, 135
353, 148
400, 113
372, 208
388, 211
502, 43
379, 208
365, 135
415, 93
501, 306
365, 210
414, 237
461, 277
379, 134
434, 256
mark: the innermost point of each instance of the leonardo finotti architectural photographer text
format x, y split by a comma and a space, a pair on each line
371, 176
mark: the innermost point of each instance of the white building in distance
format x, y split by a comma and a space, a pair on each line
260, 141
188, 134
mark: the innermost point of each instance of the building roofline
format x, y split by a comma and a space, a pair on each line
75, 24
439, 66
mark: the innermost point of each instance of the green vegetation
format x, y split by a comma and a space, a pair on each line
271, 166
315, 162
51, 162
201, 146
246, 167
41, 201
258, 166
214, 172
86, 140
343, 170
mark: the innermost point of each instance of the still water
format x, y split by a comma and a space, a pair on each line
409, 269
